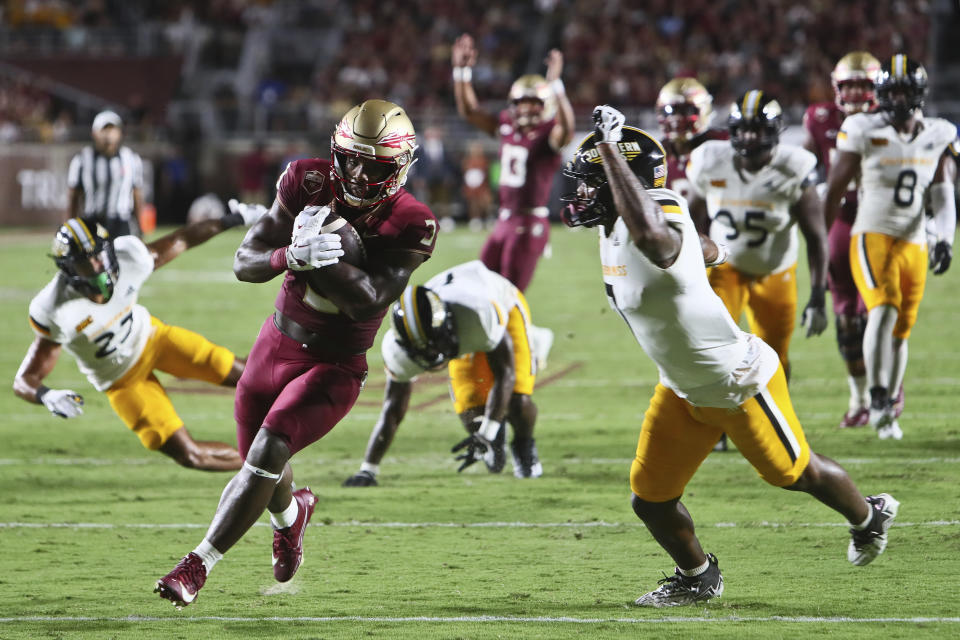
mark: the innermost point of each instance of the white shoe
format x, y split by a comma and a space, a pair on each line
869, 543
890, 431
541, 340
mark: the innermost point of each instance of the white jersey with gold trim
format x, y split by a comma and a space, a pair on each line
750, 212
106, 339
895, 171
678, 320
480, 301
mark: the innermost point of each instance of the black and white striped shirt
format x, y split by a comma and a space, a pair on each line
107, 182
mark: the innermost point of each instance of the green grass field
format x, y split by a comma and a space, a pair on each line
89, 519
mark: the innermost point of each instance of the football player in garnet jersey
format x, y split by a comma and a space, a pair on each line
684, 112
902, 158
309, 362
532, 131
853, 91
478, 323
714, 377
90, 309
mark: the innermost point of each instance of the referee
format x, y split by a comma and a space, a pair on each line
106, 179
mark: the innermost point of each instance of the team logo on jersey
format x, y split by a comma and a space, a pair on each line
86, 322
312, 181
720, 184
879, 142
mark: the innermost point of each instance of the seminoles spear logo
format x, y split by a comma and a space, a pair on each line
396, 140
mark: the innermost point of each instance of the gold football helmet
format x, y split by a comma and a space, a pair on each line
684, 109
532, 87
860, 70
372, 151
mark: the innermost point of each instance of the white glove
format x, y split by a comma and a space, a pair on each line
486, 445
248, 211
310, 249
63, 402
608, 123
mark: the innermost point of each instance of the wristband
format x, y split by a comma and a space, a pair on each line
462, 74
278, 259
41, 391
231, 220
489, 429
558, 88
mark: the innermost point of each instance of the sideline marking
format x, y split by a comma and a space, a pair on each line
498, 619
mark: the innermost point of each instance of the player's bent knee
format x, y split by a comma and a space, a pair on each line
646, 509
268, 451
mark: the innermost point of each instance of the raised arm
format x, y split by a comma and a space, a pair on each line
808, 213
464, 57
845, 168
562, 131
173, 244
644, 218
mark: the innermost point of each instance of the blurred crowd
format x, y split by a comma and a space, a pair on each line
269, 68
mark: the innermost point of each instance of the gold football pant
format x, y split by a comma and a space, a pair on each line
890, 271
677, 436
471, 378
139, 398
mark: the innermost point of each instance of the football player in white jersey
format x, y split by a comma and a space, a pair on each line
477, 322
756, 192
902, 158
90, 309
714, 377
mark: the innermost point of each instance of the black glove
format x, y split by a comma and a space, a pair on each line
814, 316
940, 257
479, 448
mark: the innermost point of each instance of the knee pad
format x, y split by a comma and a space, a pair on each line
850, 336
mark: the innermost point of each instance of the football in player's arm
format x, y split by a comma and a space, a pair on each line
90, 308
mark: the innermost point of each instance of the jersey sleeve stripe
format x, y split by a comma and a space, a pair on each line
841, 135
39, 327
672, 208
496, 307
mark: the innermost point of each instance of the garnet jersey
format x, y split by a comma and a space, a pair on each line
527, 165
678, 320
822, 122
895, 173
750, 213
106, 339
677, 163
480, 301
401, 223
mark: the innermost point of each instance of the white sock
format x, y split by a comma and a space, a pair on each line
693, 573
878, 345
899, 366
287, 517
863, 525
372, 469
859, 393
209, 554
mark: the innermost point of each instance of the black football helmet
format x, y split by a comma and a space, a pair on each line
755, 123
86, 257
425, 327
591, 203
901, 87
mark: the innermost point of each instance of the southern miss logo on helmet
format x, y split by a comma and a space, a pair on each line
86, 259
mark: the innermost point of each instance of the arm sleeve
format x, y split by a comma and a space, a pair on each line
695, 171
41, 322
137, 164
851, 137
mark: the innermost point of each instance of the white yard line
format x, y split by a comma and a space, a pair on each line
498, 619
459, 525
